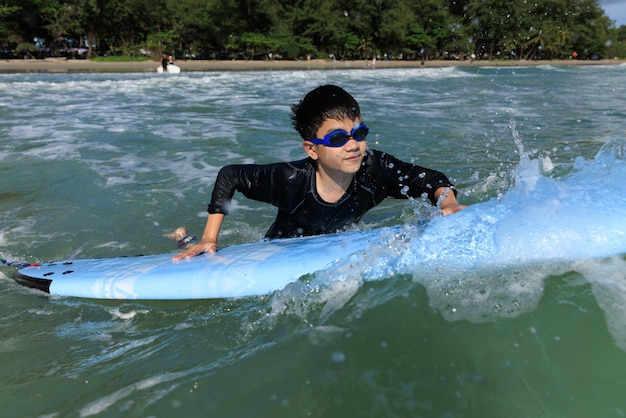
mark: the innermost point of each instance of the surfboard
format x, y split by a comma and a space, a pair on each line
235, 271
171, 69
540, 222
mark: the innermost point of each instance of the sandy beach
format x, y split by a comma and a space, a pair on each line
57, 65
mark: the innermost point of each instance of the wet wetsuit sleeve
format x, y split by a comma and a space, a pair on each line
407, 180
265, 183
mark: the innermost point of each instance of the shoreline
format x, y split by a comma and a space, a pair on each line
59, 65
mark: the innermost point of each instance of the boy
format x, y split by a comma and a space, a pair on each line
339, 181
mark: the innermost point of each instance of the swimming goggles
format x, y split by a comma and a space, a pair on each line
339, 137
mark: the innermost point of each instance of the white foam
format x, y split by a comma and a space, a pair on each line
491, 259
608, 278
105, 402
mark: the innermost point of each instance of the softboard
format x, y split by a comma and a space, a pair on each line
236, 271
171, 69
539, 222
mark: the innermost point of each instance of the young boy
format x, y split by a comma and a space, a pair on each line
339, 181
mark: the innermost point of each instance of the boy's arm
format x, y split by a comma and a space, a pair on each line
208, 243
446, 200
254, 181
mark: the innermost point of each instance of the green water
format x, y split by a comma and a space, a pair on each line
101, 165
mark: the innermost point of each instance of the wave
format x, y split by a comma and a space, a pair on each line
491, 260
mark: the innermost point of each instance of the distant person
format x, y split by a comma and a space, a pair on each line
339, 181
164, 63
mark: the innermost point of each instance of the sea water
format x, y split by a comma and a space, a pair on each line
511, 308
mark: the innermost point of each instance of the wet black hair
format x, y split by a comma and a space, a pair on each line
321, 104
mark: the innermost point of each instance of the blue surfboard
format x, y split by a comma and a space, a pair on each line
236, 271
539, 221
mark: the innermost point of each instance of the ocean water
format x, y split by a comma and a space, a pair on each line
511, 308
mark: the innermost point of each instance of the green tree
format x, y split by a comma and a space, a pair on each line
351, 29
21, 22
192, 24
616, 44
418, 39
394, 26
8, 26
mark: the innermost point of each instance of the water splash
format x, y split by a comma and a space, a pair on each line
491, 260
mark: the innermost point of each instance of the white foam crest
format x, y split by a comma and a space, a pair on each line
537, 229
608, 279
397, 76
18, 228
594, 68
63, 89
188, 168
117, 314
491, 259
105, 402
328, 298
547, 67
55, 151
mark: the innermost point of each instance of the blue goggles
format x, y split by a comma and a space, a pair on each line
339, 137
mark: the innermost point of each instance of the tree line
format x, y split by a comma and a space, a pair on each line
300, 29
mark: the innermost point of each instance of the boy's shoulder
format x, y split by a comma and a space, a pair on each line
297, 170
301, 164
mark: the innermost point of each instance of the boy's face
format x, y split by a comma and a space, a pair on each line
346, 159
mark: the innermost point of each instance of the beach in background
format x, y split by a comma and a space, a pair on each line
64, 65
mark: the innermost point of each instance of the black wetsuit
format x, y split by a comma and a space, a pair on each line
301, 211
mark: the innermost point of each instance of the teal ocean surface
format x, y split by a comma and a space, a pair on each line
515, 307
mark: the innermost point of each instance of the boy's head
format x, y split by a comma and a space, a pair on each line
321, 104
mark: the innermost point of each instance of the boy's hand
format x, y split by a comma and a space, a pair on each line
193, 250
447, 201
451, 208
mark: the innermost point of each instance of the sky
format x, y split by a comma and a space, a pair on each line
615, 10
